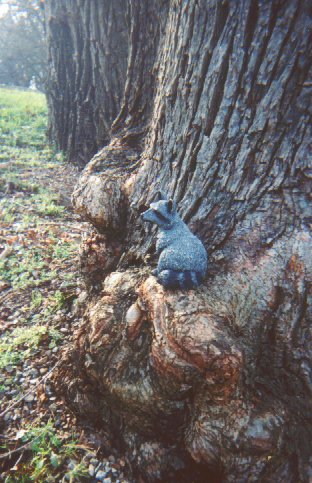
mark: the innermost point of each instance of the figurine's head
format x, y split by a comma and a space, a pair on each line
162, 212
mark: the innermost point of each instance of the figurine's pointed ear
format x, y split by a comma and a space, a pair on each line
159, 196
171, 206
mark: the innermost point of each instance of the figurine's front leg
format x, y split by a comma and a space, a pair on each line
161, 244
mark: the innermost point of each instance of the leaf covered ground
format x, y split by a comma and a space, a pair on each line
39, 283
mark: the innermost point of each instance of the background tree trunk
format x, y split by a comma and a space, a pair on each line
216, 114
87, 58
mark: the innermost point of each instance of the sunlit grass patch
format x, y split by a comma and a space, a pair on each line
36, 299
20, 344
23, 342
32, 204
47, 204
23, 118
26, 268
23, 126
19, 100
30, 267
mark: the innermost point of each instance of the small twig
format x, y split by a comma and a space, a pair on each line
49, 223
18, 204
6, 252
17, 450
30, 391
19, 459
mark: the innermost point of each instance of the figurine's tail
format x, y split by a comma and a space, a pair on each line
180, 279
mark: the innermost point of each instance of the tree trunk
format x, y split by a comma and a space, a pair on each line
87, 58
216, 114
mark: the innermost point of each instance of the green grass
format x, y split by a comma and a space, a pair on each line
23, 342
34, 256
23, 120
49, 455
20, 344
37, 251
46, 204
23, 142
32, 267
26, 268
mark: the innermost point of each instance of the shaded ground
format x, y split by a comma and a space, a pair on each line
39, 285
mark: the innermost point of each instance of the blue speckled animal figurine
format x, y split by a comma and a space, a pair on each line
183, 259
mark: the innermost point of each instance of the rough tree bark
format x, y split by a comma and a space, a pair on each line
87, 59
215, 113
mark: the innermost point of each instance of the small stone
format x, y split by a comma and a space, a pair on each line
91, 470
29, 398
89, 456
43, 370
107, 480
94, 461
133, 315
48, 390
4, 285
72, 464
100, 475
